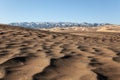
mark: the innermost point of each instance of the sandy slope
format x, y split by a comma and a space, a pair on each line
112, 28
27, 54
75, 29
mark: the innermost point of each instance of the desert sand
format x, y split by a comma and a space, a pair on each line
30, 54
76, 29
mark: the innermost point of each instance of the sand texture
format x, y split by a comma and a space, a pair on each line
29, 54
76, 29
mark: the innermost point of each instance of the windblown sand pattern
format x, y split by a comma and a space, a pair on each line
29, 54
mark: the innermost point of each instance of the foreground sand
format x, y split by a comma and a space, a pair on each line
27, 54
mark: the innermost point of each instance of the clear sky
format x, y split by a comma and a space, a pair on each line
60, 11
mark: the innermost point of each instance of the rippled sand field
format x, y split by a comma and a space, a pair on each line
29, 54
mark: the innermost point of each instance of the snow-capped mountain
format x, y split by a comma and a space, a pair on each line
56, 24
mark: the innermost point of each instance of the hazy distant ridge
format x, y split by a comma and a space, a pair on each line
56, 24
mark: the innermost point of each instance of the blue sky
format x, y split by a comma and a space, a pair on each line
60, 11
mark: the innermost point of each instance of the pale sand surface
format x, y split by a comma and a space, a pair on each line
28, 54
76, 29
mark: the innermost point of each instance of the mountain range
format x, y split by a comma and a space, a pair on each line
56, 24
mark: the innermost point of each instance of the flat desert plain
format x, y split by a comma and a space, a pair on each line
31, 54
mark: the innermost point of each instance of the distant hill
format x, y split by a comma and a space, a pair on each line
76, 29
56, 24
113, 28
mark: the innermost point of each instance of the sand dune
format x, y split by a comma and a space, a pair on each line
112, 28
29, 54
75, 29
